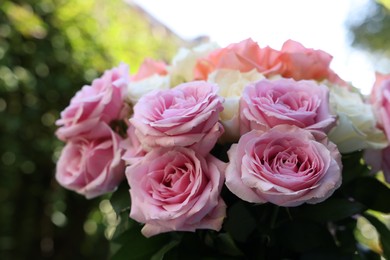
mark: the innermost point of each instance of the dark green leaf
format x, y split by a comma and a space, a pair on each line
344, 232
370, 192
352, 167
124, 224
302, 236
120, 199
193, 246
239, 222
226, 245
165, 249
135, 246
329, 210
384, 234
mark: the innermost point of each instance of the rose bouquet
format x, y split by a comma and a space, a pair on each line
241, 152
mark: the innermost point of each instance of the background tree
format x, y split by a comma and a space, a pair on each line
48, 50
370, 32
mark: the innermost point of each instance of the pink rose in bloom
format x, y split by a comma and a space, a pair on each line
150, 67
380, 100
243, 56
186, 115
132, 147
267, 103
91, 167
286, 165
176, 190
103, 101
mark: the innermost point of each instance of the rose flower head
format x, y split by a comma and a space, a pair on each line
92, 167
176, 190
267, 103
103, 101
285, 165
185, 116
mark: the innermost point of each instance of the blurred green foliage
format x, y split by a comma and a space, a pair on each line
48, 50
370, 32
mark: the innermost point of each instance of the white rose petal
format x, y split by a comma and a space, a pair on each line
231, 84
356, 129
136, 89
183, 64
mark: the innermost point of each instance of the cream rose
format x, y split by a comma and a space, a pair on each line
136, 89
356, 128
231, 84
183, 64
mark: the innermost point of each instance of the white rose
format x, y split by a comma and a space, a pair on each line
136, 89
231, 84
356, 128
183, 64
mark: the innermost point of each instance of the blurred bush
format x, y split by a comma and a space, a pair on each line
48, 50
369, 31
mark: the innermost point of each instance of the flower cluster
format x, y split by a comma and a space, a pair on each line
269, 126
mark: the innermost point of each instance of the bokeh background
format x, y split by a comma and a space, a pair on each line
49, 49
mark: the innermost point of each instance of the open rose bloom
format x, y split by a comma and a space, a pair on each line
177, 189
185, 116
285, 165
233, 145
92, 167
266, 104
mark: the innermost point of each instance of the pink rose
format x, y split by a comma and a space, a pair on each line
243, 56
380, 100
103, 101
91, 167
285, 165
267, 103
150, 67
186, 115
176, 190
379, 160
132, 147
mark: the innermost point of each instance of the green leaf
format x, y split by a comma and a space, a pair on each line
239, 222
193, 245
120, 199
370, 192
353, 167
302, 236
125, 224
384, 234
329, 210
135, 246
226, 245
344, 232
165, 249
